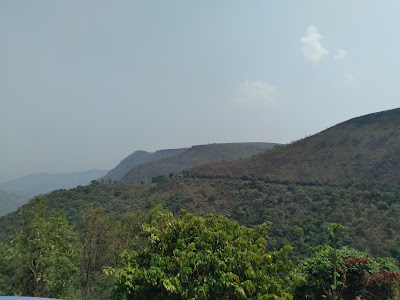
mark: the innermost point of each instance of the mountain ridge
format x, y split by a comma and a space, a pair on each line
364, 148
194, 156
137, 158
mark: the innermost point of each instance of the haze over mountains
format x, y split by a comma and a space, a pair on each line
14, 193
139, 167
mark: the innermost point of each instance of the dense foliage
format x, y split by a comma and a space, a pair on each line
176, 258
201, 258
298, 212
359, 274
45, 253
5, 257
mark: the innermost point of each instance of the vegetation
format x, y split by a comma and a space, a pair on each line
201, 258
194, 156
5, 258
45, 253
298, 212
335, 230
177, 258
345, 179
363, 149
360, 275
98, 241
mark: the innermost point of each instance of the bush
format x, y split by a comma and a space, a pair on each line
359, 275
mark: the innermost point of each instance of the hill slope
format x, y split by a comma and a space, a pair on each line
192, 157
137, 158
363, 149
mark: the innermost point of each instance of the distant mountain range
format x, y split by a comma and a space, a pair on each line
10, 202
139, 167
14, 193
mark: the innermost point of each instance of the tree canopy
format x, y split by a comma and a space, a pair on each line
201, 258
46, 252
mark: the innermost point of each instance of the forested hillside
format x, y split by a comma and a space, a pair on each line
344, 177
298, 212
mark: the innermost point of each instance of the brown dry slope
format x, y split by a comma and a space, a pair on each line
363, 149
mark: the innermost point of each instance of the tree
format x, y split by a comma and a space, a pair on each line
361, 275
97, 235
335, 231
103, 240
46, 252
201, 258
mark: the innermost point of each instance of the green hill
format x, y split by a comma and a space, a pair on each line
363, 149
192, 157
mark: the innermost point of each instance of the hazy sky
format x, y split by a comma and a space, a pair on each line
85, 83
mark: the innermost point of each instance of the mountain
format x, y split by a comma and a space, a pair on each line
192, 157
19, 191
137, 158
347, 174
363, 149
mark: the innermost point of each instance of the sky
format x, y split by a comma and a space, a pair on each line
83, 84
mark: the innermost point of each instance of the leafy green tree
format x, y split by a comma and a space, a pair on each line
361, 275
201, 258
130, 231
46, 252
